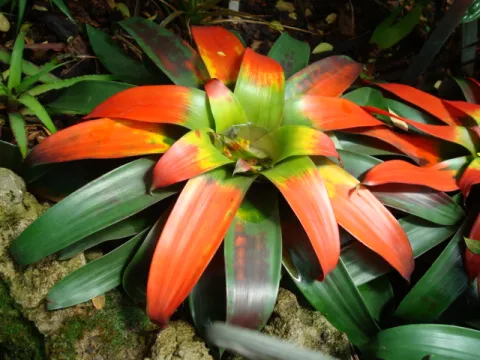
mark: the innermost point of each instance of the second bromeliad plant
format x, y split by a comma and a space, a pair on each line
300, 135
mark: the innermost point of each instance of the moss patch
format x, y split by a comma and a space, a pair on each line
19, 339
121, 330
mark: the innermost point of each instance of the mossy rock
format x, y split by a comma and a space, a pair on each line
19, 338
121, 330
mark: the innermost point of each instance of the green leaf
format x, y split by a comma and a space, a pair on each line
257, 346
428, 204
63, 8
28, 82
173, 56
362, 145
61, 84
115, 60
22, 4
95, 278
253, 259
123, 229
208, 298
15, 72
378, 295
123, 193
83, 97
426, 341
444, 282
336, 297
367, 96
34, 105
447, 24
28, 68
389, 32
473, 245
364, 265
473, 13
17, 123
291, 53
357, 164
408, 112
135, 276
11, 157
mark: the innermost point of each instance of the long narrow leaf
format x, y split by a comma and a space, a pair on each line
33, 104
103, 139
438, 288
173, 56
260, 89
256, 346
17, 123
355, 207
291, 53
221, 51
326, 77
65, 83
209, 202
305, 191
15, 71
253, 260
169, 104
95, 278
116, 196
190, 156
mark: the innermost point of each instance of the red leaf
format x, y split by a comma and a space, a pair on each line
190, 156
470, 177
421, 99
169, 104
103, 139
327, 77
193, 232
399, 171
359, 212
326, 113
422, 150
303, 188
221, 51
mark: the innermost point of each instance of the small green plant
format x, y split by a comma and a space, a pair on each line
22, 5
18, 93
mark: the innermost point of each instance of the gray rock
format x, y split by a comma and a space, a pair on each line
29, 285
119, 331
179, 341
305, 328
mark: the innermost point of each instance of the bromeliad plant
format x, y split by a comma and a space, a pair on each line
236, 144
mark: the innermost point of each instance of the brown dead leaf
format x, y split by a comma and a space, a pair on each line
99, 302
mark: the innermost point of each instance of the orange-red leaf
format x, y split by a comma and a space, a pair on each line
399, 171
326, 113
327, 77
463, 111
260, 90
303, 188
422, 150
193, 232
423, 100
170, 104
362, 215
457, 134
470, 177
221, 51
190, 156
103, 139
